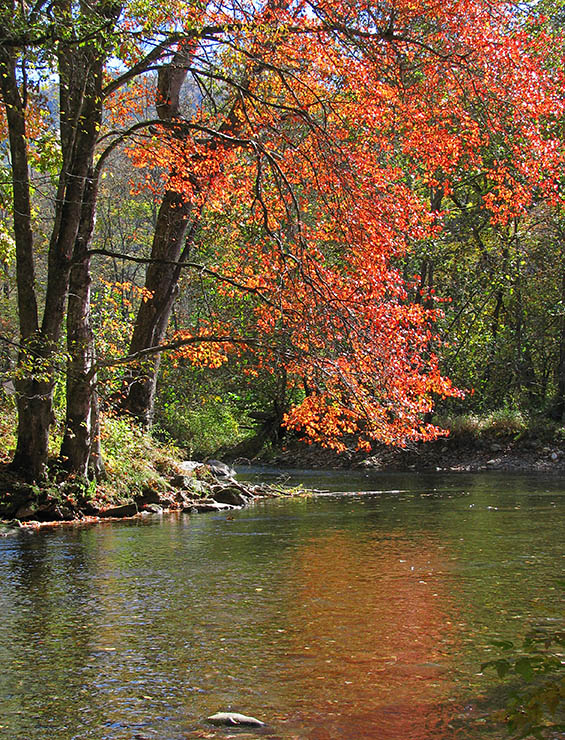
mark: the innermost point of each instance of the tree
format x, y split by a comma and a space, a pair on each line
80, 50
321, 126
406, 95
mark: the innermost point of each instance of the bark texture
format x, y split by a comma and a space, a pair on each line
80, 65
161, 280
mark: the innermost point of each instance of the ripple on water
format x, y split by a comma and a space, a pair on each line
336, 617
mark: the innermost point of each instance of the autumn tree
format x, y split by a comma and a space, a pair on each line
321, 127
328, 150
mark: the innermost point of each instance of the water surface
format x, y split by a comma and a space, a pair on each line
348, 615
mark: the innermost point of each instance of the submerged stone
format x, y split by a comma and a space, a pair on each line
231, 719
10, 527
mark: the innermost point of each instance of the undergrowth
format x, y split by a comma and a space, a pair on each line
506, 422
202, 428
134, 460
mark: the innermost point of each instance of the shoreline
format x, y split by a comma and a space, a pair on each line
446, 455
196, 488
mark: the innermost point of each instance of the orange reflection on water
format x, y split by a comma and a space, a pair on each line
370, 635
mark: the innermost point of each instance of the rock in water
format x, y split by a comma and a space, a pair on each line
220, 469
120, 511
233, 718
231, 496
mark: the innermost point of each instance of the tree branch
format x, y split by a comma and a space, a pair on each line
191, 265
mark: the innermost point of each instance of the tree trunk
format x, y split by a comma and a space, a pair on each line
80, 72
557, 411
33, 393
81, 98
81, 378
153, 315
96, 466
161, 280
138, 394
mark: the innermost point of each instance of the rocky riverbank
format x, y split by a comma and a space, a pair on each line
190, 487
196, 487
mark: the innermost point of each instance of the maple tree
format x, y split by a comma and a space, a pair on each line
320, 128
327, 174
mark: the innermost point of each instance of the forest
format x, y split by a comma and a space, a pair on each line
235, 223
244, 229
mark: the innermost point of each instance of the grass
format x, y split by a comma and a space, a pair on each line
504, 423
134, 460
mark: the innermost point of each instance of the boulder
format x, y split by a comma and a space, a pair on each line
180, 481
232, 496
198, 487
27, 510
207, 505
55, 512
189, 466
120, 511
220, 469
10, 527
148, 496
152, 509
232, 719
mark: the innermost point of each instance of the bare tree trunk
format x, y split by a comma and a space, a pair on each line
96, 466
33, 394
161, 280
80, 71
81, 424
558, 406
81, 379
153, 315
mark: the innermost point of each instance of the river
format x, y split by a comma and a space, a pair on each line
364, 614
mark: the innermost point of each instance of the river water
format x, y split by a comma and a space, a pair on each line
347, 615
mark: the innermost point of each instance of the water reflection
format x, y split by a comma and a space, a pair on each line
375, 637
341, 617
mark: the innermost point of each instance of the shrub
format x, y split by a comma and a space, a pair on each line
132, 458
202, 428
536, 696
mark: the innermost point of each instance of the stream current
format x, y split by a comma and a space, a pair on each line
363, 613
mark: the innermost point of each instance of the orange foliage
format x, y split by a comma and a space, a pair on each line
351, 112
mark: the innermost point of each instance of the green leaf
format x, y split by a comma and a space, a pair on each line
524, 667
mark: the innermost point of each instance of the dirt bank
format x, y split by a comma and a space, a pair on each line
446, 454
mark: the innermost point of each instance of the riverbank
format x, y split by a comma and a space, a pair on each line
190, 487
451, 454
146, 477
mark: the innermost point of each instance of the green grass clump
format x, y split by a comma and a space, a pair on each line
133, 459
506, 422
